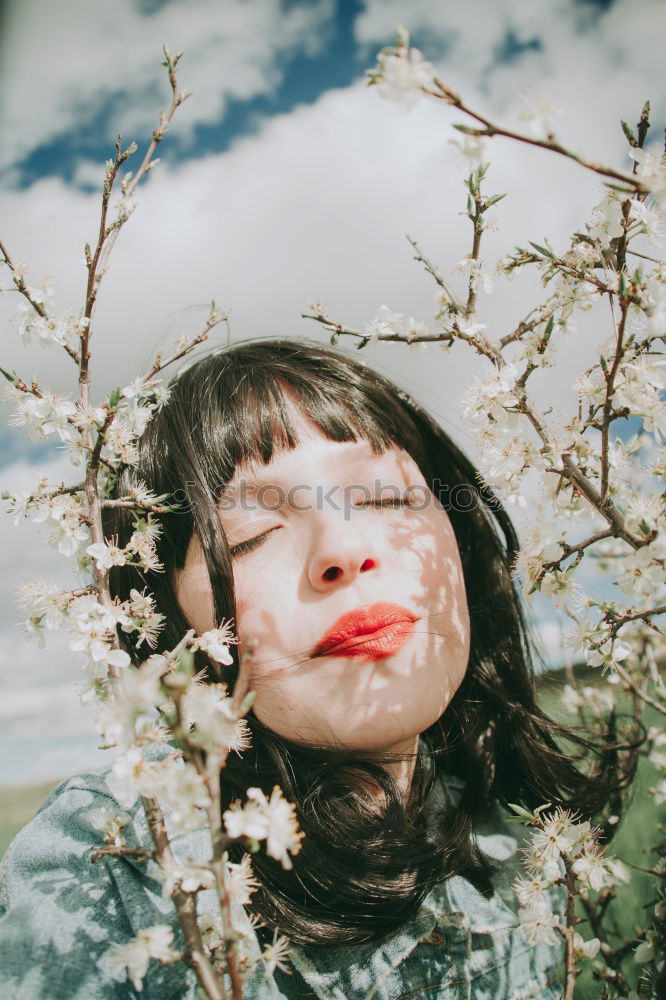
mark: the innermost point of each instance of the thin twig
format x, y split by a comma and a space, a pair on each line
490, 129
25, 292
639, 692
456, 304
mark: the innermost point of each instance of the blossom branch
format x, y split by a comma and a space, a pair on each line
130, 184
595, 912
491, 129
113, 851
610, 377
21, 287
640, 693
568, 932
185, 904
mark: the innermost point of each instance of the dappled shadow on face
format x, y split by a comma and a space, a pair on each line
411, 559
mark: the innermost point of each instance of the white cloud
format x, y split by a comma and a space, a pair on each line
65, 63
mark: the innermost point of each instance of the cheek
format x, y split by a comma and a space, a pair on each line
194, 595
260, 605
434, 561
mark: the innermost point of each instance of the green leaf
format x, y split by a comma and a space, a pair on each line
10, 376
468, 130
629, 132
494, 199
543, 250
522, 814
114, 398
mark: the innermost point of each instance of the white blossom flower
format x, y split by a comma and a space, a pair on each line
134, 389
539, 112
44, 604
571, 700
161, 395
107, 555
652, 170
485, 401
121, 441
212, 930
591, 869
541, 545
585, 949
42, 292
272, 820
215, 643
65, 515
209, 711
607, 221
402, 73
475, 271
651, 220
275, 954
142, 544
659, 793
43, 415
88, 417
93, 632
111, 823
531, 892
133, 775
239, 881
135, 955
641, 573
591, 385
390, 324
186, 877
647, 949
559, 836
539, 924
141, 617
470, 148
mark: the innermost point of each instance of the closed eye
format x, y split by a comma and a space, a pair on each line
252, 543
388, 502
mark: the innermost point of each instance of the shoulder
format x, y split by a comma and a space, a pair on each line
60, 913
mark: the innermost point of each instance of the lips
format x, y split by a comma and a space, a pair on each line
372, 632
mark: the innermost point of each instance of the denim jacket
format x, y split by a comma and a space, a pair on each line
60, 914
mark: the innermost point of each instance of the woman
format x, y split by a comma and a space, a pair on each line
336, 523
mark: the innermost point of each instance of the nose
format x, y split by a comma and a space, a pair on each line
339, 553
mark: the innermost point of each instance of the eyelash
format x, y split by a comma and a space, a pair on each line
251, 543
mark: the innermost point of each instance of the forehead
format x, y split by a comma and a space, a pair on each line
313, 449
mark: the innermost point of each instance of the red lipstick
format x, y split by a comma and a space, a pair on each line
370, 633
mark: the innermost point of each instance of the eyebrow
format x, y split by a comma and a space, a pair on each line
336, 459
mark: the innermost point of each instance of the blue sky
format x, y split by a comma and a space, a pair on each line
283, 179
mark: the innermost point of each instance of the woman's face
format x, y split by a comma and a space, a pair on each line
327, 550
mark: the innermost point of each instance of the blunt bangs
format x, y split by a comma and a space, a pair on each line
236, 405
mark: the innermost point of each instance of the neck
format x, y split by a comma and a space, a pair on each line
402, 771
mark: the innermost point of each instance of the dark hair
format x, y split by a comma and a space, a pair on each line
359, 874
